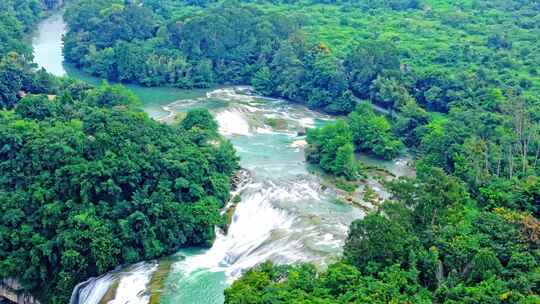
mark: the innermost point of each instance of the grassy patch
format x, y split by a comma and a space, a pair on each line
276, 123
229, 213
378, 172
371, 196
335, 182
178, 118
157, 283
345, 185
111, 293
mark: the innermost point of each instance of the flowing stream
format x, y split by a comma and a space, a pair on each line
285, 214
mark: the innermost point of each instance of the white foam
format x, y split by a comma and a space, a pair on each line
232, 122
93, 290
329, 240
265, 130
133, 285
231, 94
307, 122
254, 221
260, 231
251, 109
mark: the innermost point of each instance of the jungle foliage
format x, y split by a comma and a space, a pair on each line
190, 47
87, 181
430, 244
18, 17
320, 53
333, 146
458, 85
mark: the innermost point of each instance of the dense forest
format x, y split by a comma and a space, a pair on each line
462, 95
17, 18
433, 243
320, 54
164, 43
88, 182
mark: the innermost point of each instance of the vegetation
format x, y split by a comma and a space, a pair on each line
17, 17
373, 133
88, 182
331, 148
185, 46
17, 74
314, 52
157, 282
460, 86
429, 245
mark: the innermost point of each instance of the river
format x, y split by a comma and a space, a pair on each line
285, 214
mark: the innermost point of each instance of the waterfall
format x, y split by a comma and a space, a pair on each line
284, 215
92, 290
131, 286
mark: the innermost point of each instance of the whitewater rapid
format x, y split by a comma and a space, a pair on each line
285, 215
132, 283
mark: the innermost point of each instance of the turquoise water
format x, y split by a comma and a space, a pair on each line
47, 44
285, 215
153, 99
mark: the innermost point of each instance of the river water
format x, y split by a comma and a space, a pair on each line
285, 214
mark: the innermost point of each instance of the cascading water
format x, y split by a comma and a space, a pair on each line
131, 286
285, 215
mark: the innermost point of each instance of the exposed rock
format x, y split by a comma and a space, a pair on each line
11, 290
240, 178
